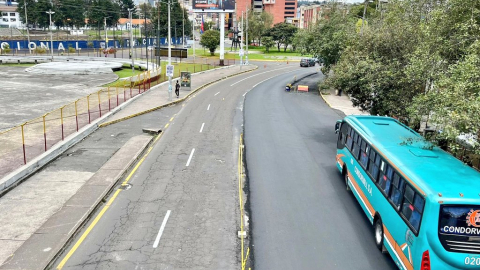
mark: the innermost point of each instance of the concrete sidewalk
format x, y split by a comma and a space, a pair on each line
341, 103
158, 97
40, 215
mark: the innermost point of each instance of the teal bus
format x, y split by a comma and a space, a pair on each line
423, 203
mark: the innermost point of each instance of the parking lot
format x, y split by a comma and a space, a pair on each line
24, 96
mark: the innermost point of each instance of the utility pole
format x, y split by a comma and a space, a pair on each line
131, 40
241, 43
246, 39
146, 37
26, 24
183, 25
158, 34
193, 37
169, 54
106, 38
50, 12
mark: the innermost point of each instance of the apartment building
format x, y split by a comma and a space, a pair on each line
282, 10
10, 16
310, 15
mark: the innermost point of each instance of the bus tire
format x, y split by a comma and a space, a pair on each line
345, 176
379, 236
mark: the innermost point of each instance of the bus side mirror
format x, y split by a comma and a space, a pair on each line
337, 126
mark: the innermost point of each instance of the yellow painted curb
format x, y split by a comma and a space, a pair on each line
329, 105
173, 102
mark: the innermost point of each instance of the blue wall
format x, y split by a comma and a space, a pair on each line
82, 44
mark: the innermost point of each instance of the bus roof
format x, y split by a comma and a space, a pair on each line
432, 171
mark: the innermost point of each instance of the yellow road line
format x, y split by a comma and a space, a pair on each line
104, 209
167, 125
85, 234
171, 119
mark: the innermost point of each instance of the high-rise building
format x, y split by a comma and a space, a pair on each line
282, 10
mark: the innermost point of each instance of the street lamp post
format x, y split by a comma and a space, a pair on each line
193, 37
158, 34
131, 40
169, 54
146, 36
183, 25
50, 12
28, 32
246, 38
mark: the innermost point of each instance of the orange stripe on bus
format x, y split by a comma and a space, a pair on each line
339, 159
398, 249
398, 170
360, 192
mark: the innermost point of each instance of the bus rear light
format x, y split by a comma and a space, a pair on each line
425, 261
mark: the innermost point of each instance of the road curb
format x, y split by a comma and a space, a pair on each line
328, 103
14, 178
173, 102
54, 241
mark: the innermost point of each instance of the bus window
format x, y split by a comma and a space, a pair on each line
356, 145
412, 207
349, 142
364, 155
384, 183
397, 190
374, 168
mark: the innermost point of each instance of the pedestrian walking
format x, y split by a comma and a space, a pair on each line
177, 89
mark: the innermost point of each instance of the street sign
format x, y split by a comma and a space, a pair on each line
169, 72
241, 52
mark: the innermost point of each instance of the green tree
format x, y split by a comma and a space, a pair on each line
268, 43
303, 41
124, 6
258, 23
145, 8
332, 35
210, 39
72, 13
282, 34
178, 21
36, 12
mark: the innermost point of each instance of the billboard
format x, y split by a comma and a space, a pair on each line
186, 78
214, 5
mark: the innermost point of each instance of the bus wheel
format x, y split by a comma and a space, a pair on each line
345, 174
379, 235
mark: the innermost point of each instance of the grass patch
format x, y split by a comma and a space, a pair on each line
255, 53
127, 72
17, 65
94, 33
178, 68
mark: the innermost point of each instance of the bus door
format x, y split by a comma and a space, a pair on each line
341, 128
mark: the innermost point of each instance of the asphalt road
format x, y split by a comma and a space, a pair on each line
189, 176
302, 216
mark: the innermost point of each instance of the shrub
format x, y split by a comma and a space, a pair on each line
40, 50
6, 49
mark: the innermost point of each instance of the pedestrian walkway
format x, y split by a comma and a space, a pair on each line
341, 103
158, 97
40, 215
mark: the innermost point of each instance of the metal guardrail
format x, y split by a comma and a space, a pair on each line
23, 143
